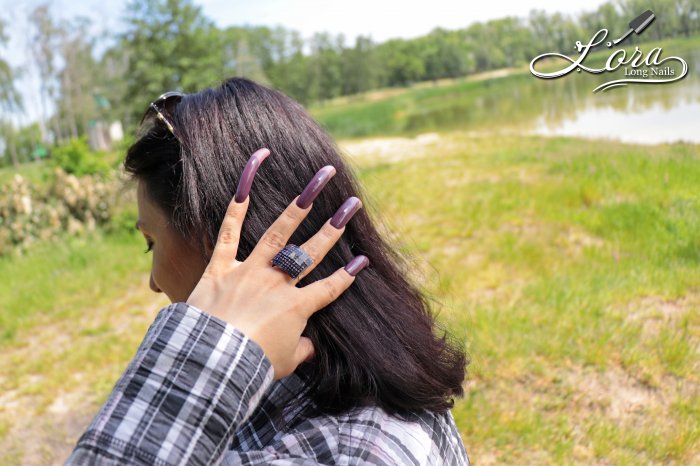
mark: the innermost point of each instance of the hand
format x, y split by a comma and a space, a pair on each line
261, 300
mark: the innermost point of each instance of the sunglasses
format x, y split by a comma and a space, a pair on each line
165, 103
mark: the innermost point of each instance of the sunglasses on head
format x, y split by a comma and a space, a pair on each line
165, 103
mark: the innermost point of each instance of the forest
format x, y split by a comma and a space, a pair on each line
171, 45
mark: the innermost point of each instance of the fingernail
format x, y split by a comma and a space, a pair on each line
315, 186
248, 174
356, 264
345, 212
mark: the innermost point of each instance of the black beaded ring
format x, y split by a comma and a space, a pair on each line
292, 259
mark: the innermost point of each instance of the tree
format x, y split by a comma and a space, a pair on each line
688, 14
245, 53
291, 74
10, 101
43, 46
325, 65
359, 67
170, 45
444, 54
77, 77
402, 62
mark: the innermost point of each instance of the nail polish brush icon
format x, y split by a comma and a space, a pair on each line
637, 25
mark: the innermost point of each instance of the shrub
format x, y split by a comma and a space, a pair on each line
76, 158
65, 204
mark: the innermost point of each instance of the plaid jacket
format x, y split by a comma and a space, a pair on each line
199, 391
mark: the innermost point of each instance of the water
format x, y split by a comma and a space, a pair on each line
647, 113
651, 126
525, 104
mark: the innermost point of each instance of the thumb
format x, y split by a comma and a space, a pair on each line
305, 351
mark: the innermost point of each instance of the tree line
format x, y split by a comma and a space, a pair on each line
171, 44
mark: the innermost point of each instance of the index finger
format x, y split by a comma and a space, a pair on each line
230, 231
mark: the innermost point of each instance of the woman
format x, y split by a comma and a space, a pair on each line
368, 382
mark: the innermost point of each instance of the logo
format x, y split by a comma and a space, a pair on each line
638, 67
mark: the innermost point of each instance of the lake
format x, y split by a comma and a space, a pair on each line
521, 103
639, 113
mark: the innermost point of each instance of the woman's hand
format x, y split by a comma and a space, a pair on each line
263, 301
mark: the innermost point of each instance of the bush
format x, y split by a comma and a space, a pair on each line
76, 158
123, 222
30, 212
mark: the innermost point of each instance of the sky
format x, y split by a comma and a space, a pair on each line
380, 19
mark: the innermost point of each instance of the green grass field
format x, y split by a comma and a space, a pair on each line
569, 267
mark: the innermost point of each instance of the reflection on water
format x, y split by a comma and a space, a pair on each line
642, 113
650, 126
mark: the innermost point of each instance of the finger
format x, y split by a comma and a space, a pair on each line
246, 181
305, 351
323, 241
323, 292
230, 231
276, 236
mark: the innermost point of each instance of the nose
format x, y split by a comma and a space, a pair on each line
153, 285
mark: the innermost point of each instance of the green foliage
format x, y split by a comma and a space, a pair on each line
76, 158
123, 222
10, 99
22, 143
32, 211
173, 45
170, 45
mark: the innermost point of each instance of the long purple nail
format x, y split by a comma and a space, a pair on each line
345, 212
315, 186
356, 264
248, 174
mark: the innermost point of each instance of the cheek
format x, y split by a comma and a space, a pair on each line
156, 269
153, 285
175, 270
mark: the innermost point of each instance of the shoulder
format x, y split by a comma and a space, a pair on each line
372, 434
369, 435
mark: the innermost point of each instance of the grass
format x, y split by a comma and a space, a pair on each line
57, 280
421, 109
72, 314
569, 267
572, 271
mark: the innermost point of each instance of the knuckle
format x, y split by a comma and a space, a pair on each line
329, 232
291, 215
228, 235
234, 210
312, 250
274, 239
331, 289
231, 214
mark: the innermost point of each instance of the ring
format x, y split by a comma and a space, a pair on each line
292, 259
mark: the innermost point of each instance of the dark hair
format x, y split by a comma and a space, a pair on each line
375, 344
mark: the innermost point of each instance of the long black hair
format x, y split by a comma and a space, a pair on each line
377, 344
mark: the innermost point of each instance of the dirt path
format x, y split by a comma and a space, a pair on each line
48, 398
